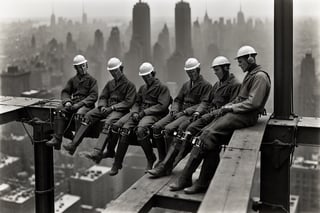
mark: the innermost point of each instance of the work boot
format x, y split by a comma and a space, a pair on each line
59, 127
161, 147
195, 189
114, 170
181, 183
55, 142
148, 151
71, 147
185, 179
209, 166
185, 148
113, 140
94, 155
166, 166
121, 152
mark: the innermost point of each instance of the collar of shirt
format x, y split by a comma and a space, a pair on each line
193, 84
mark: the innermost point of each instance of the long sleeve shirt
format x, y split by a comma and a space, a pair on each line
220, 94
120, 94
191, 95
254, 92
153, 100
82, 90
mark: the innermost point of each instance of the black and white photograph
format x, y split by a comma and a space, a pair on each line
160, 106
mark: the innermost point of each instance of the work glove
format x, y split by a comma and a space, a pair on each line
195, 116
106, 110
135, 117
178, 115
68, 105
225, 109
173, 113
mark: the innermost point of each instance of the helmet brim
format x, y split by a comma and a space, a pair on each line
252, 54
113, 68
192, 68
147, 73
82, 62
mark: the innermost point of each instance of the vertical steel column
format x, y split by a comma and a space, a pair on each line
43, 161
283, 62
276, 149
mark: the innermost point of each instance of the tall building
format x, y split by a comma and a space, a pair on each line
52, 19
9, 165
183, 49
14, 81
91, 184
84, 16
113, 46
141, 28
183, 28
197, 40
140, 44
98, 41
161, 51
159, 61
304, 181
307, 98
164, 40
18, 200
70, 44
33, 42
240, 17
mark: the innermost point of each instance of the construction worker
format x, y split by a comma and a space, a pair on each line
223, 91
170, 128
78, 97
116, 99
153, 100
242, 112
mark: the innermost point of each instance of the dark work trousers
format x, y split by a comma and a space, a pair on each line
220, 130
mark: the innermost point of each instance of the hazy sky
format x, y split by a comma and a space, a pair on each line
159, 8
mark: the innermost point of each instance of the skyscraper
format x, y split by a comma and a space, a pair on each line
14, 81
240, 17
307, 100
141, 28
113, 46
197, 39
70, 44
84, 16
98, 41
164, 40
183, 43
140, 45
52, 20
183, 28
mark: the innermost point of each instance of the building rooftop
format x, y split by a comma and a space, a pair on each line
5, 160
92, 173
19, 195
64, 202
300, 162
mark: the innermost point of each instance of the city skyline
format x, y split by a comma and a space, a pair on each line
20, 9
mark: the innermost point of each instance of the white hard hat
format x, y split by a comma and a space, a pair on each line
145, 69
191, 63
220, 60
246, 50
113, 63
79, 59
